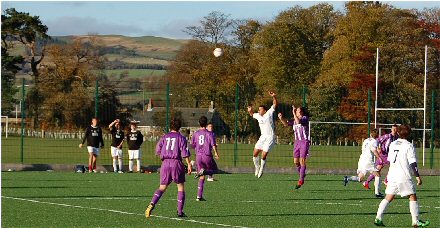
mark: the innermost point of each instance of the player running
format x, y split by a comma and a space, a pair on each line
116, 147
384, 144
300, 125
210, 127
203, 141
267, 138
134, 141
402, 158
366, 160
94, 138
171, 148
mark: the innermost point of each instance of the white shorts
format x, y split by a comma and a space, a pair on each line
116, 152
403, 189
265, 143
93, 150
365, 167
134, 154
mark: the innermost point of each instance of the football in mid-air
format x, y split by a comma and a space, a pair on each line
218, 52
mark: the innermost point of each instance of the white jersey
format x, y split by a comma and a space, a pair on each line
400, 155
266, 122
368, 146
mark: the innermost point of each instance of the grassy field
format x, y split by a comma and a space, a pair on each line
66, 151
57, 199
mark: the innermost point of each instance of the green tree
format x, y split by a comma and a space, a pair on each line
9, 69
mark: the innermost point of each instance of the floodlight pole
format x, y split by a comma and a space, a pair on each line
377, 86
22, 122
424, 104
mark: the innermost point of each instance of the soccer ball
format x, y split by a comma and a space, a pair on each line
218, 52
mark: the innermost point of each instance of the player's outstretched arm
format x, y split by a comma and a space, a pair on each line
274, 98
249, 109
215, 152
283, 121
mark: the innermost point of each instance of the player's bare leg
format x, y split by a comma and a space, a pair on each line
382, 207
263, 164
90, 162
94, 162
256, 160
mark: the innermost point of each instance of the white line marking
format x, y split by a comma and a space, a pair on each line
121, 212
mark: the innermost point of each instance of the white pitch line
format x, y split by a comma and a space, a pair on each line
121, 212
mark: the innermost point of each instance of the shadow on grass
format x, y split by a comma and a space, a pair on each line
300, 214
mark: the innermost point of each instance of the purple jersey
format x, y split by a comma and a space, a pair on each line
385, 141
203, 141
172, 146
301, 129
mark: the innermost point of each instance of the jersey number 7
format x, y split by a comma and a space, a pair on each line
395, 158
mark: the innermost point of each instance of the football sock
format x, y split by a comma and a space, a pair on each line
130, 165
256, 161
180, 202
370, 178
120, 164
298, 168
90, 167
200, 188
115, 168
263, 164
354, 178
376, 185
302, 173
138, 164
382, 206
157, 194
414, 209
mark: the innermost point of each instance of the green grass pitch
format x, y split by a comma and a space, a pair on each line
63, 199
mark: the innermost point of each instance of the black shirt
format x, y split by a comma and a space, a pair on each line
93, 136
134, 140
117, 137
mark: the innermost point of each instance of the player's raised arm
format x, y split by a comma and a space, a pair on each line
283, 121
274, 99
249, 109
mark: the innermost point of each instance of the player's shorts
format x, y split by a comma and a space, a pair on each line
403, 189
93, 150
366, 166
384, 160
134, 154
206, 162
172, 170
116, 152
301, 148
265, 143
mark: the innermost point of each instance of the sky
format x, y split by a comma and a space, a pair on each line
157, 18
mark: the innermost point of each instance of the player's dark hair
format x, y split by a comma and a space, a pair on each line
264, 107
373, 133
175, 124
203, 121
404, 131
304, 110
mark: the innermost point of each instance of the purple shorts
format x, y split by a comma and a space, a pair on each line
206, 162
384, 160
172, 170
301, 148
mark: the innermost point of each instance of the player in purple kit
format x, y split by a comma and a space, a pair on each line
171, 148
384, 142
203, 141
210, 127
300, 125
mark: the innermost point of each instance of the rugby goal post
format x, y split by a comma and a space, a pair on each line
376, 109
6, 129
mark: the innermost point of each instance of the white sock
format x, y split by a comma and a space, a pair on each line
263, 163
256, 161
115, 168
414, 209
138, 163
376, 185
130, 165
354, 178
120, 164
382, 206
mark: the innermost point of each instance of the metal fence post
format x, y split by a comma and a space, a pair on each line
431, 162
167, 121
369, 112
22, 122
237, 94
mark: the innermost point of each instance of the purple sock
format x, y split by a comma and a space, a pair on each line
180, 202
302, 173
157, 194
298, 168
371, 177
201, 184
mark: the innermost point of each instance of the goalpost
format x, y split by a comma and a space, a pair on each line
7, 125
376, 109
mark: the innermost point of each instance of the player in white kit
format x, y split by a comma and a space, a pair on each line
267, 138
402, 158
366, 160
